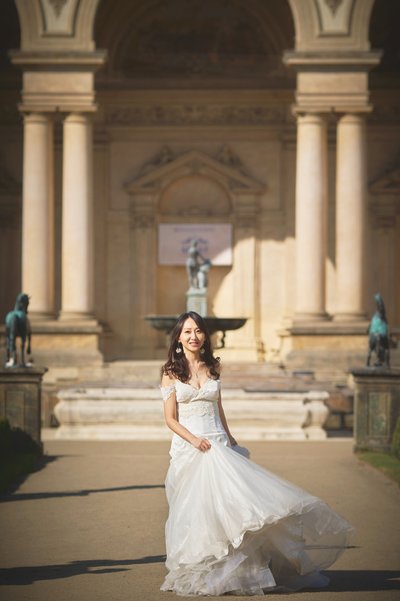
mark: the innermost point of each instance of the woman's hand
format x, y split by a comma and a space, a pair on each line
201, 444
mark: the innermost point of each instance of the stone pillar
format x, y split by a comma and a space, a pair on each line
245, 274
38, 215
77, 219
350, 217
143, 282
311, 215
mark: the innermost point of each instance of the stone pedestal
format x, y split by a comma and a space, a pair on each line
20, 398
377, 407
196, 300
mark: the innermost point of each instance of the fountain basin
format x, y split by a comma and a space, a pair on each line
166, 323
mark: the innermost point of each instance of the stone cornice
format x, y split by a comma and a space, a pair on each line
61, 61
332, 61
183, 114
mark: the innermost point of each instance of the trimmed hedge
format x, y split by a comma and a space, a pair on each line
396, 440
18, 454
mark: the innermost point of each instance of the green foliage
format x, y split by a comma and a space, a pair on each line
396, 440
18, 453
384, 462
15, 440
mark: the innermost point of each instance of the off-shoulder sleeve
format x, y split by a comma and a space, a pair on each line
166, 391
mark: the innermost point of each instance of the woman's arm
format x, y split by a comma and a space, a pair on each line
224, 422
170, 414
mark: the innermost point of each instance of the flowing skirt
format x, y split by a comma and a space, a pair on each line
234, 527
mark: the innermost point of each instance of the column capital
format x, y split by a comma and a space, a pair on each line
351, 117
80, 117
36, 117
309, 116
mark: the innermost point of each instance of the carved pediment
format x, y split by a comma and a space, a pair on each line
226, 169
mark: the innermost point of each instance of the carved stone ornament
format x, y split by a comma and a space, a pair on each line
163, 157
142, 221
196, 115
58, 6
389, 181
333, 5
225, 156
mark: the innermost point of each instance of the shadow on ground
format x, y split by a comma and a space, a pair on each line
30, 574
40, 463
340, 580
8, 498
363, 580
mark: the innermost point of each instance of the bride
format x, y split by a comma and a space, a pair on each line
233, 527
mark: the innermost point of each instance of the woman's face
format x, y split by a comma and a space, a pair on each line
191, 337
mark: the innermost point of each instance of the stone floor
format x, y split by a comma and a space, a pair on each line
88, 526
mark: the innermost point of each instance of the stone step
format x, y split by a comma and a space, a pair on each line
137, 414
145, 375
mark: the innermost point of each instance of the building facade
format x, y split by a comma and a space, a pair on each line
278, 118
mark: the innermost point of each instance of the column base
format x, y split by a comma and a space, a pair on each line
66, 343
349, 316
35, 316
303, 318
77, 316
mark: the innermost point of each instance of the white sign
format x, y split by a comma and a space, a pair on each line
214, 242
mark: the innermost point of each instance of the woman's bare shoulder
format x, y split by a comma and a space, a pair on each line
167, 380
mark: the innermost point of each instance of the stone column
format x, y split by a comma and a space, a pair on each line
77, 219
246, 282
143, 292
350, 217
38, 215
311, 215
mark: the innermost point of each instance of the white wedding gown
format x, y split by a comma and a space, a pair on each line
234, 527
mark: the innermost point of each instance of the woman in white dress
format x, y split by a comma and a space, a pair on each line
233, 527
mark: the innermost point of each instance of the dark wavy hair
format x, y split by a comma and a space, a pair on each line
177, 365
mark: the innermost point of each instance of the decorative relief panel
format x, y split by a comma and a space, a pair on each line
179, 114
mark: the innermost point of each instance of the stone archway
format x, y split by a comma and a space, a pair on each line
331, 59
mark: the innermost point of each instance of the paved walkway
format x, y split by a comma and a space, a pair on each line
89, 525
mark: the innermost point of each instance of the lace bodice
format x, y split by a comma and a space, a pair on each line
188, 393
196, 403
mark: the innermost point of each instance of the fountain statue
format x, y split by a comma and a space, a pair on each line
198, 268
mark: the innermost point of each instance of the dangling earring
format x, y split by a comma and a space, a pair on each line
202, 350
178, 349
